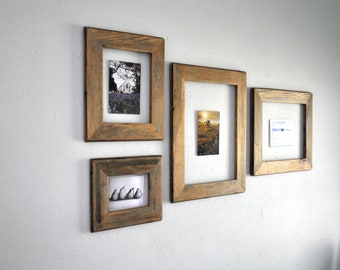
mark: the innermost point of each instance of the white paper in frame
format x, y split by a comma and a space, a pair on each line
125, 184
201, 96
293, 112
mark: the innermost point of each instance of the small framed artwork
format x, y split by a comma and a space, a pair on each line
124, 86
282, 131
125, 191
208, 132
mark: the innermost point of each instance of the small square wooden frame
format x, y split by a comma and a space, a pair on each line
182, 73
102, 170
260, 166
98, 130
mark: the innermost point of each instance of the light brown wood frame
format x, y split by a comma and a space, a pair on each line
96, 128
102, 169
181, 191
260, 166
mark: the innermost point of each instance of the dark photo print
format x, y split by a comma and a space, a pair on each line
208, 132
124, 87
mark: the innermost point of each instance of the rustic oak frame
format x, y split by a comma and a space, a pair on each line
102, 170
96, 128
260, 166
181, 191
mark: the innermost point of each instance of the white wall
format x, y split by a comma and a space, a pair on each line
284, 221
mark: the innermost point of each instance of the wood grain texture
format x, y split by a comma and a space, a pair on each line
180, 74
102, 169
260, 166
98, 130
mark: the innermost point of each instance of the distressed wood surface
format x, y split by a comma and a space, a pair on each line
180, 74
260, 166
96, 128
102, 169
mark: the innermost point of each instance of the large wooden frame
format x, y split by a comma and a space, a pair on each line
98, 130
102, 169
260, 166
180, 190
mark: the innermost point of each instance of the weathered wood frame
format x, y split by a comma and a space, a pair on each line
260, 166
102, 170
96, 128
181, 191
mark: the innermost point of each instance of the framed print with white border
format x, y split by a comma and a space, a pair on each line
124, 86
208, 132
282, 131
125, 191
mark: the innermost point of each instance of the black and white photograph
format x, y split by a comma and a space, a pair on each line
128, 191
124, 87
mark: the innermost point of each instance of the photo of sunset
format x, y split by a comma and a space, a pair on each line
208, 131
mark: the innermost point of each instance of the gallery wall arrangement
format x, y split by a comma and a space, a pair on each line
124, 92
124, 102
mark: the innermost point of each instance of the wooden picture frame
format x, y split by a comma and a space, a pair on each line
277, 96
96, 40
180, 190
105, 171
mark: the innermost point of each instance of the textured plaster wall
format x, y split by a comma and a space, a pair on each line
285, 221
